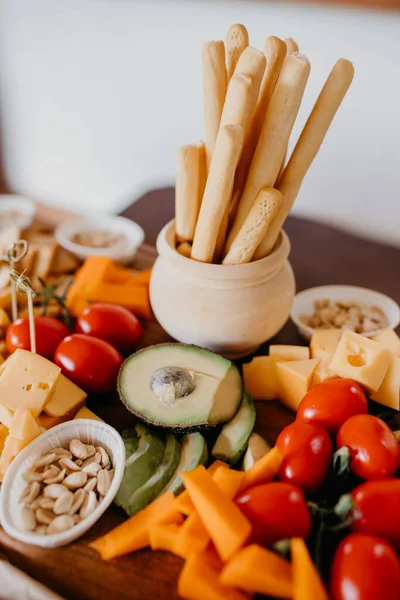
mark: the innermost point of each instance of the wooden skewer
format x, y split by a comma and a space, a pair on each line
278, 123
275, 54
236, 42
24, 286
214, 84
307, 147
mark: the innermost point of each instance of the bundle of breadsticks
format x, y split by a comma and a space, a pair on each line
235, 190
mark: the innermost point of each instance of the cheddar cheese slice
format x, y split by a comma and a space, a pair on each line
260, 378
6, 416
28, 381
389, 339
283, 352
12, 447
294, 380
86, 413
65, 398
3, 436
24, 426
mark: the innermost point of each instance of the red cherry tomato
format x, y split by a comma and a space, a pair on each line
277, 511
91, 363
307, 454
365, 567
374, 451
378, 509
331, 403
49, 333
115, 324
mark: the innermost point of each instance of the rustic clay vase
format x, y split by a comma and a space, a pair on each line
230, 309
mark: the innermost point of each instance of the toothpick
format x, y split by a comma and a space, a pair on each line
15, 253
24, 286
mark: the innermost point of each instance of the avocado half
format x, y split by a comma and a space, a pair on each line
180, 387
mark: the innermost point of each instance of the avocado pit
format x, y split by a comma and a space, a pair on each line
171, 383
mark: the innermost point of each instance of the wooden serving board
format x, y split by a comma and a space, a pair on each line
77, 572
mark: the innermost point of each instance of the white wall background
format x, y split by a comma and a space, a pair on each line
96, 96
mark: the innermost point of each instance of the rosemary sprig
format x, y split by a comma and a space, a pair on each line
49, 292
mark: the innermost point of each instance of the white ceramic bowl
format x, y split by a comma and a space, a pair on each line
89, 432
25, 207
122, 252
304, 304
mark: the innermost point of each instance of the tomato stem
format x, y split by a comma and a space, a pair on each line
341, 462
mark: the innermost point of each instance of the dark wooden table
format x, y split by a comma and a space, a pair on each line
320, 255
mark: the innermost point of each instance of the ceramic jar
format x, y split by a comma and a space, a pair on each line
230, 309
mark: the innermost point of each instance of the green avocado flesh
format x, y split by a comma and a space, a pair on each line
232, 441
215, 399
194, 452
131, 441
256, 448
141, 464
150, 490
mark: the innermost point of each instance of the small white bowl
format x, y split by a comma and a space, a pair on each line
122, 252
25, 207
303, 304
89, 432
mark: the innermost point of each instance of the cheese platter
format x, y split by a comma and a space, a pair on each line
240, 477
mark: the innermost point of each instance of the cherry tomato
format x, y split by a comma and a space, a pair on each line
307, 452
365, 567
276, 511
115, 324
91, 363
49, 333
374, 451
331, 403
378, 509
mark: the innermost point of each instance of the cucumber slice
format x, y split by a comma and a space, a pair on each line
194, 452
232, 441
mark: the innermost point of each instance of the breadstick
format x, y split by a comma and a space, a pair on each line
218, 191
185, 249
189, 190
307, 147
254, 227
291, 46
236, 41
275, 53
278, 123
214, 84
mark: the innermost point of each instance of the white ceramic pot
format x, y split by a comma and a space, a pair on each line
230, 309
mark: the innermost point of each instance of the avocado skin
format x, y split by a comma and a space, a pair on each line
150, 490
131, 441
178, 429
140, 465
244, 421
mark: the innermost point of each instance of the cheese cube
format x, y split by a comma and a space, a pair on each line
260, 378
389, 339
3, 366
3, 436
6, 416
282, 352
86, 413
28, 381
389, 392
46, 422
12, 447
65, 398
361, 359
324, 343
322, 373
24, 426
294, 380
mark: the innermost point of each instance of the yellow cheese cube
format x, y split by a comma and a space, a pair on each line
324, 343
86, 413
65, 398
3, 365
47, 422
3, 436
361, 359
6, 416
294, 380
12, 447
389, 392
322, 373
24, 426
28, 381
282, 352
389, 339
260, 378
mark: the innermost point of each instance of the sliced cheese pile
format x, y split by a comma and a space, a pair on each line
34, 395
290, 371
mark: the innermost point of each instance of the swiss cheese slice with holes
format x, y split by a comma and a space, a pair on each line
389, 392
389, 339
27, 381
361, 359
294, 380
6, 416
324, 343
